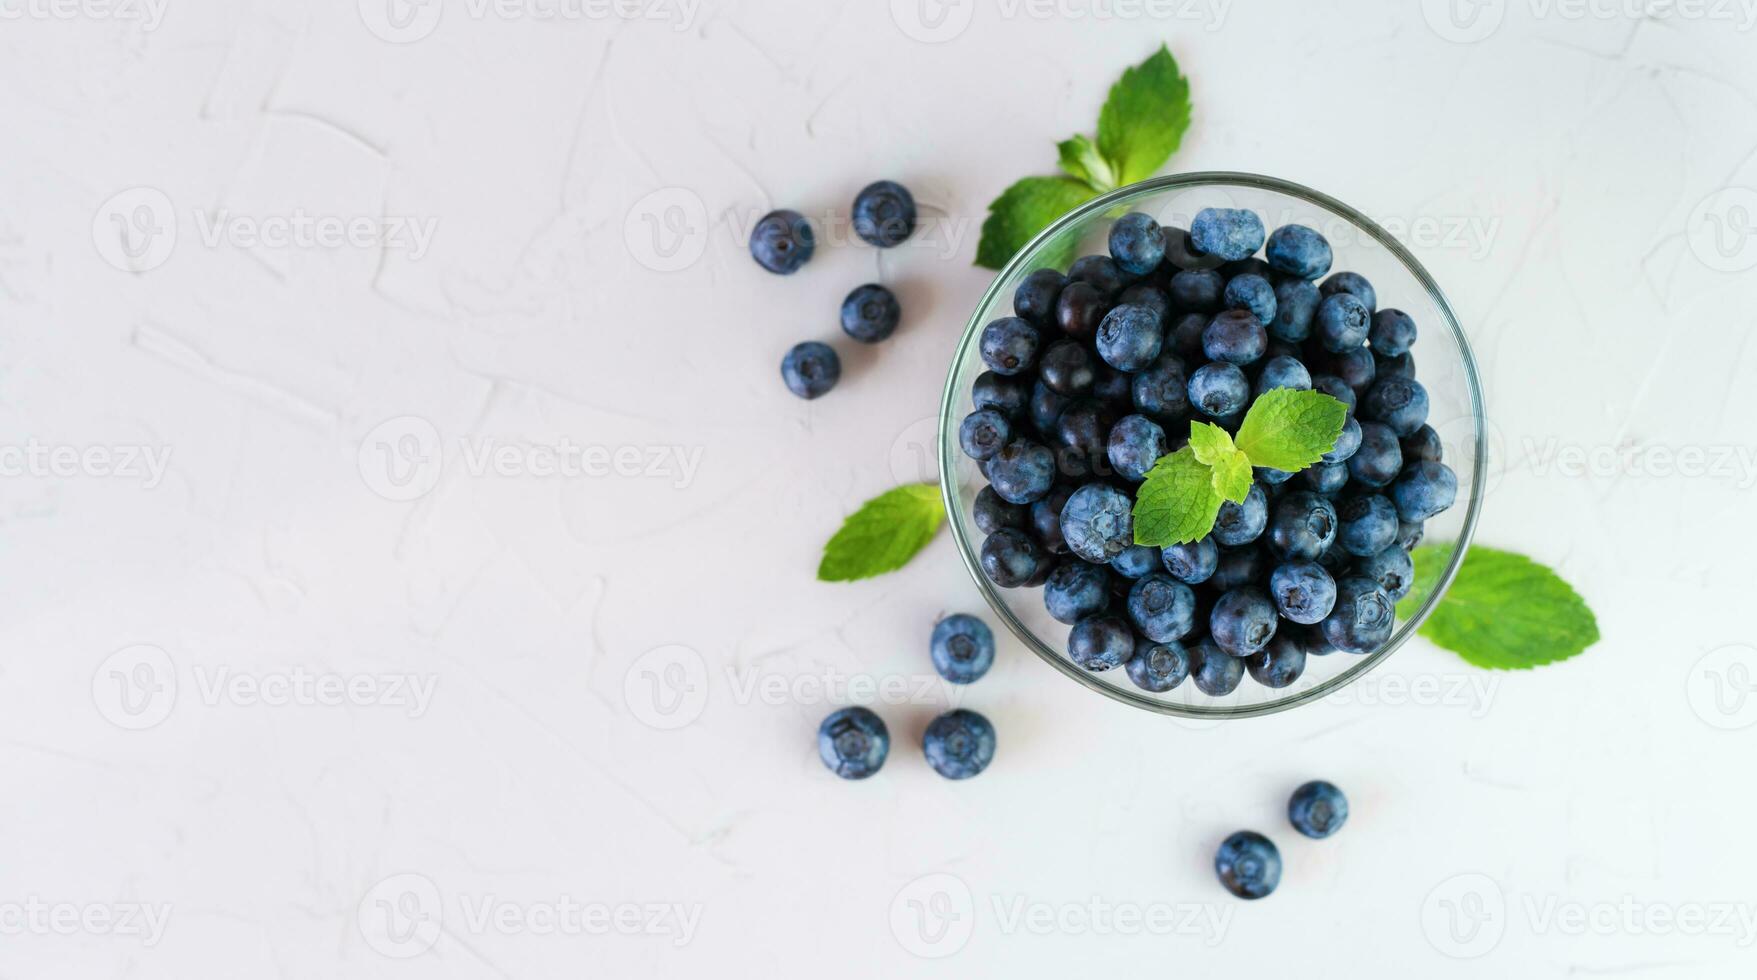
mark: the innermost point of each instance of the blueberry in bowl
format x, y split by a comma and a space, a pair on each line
1094, 353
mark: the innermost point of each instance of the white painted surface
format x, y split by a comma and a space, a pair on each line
1569, 169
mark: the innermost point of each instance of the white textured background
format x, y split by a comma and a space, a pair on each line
623, 671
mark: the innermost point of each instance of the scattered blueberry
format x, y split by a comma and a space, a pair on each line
963, 648
884, 214
811, 369
870, 313
853, 742
782, 242
1248, 864
959, 744
1317, 809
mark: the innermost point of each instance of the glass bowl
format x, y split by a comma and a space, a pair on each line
1444, 366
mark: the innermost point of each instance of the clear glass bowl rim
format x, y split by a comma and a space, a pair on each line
952, 397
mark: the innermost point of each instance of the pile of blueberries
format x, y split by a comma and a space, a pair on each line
853, 742
1249, 864
782, 242
1100, 374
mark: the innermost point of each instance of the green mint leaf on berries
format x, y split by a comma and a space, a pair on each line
1177, 503
1142, 122
1144, 119
1290, 430
1232, 469
1503, 610
883, 534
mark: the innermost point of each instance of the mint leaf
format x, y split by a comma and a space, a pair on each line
1503, 611
1232, 469
883, 534
1022, 211
1177, 503
1144, 119
1290, 430
1082, 161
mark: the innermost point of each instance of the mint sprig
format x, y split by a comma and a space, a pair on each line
1140, 126
883, 534
1503, 611
1284, 430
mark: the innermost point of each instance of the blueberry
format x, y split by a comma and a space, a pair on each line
1363, 618
1296, 303
1114, 389
1248, 864
1137, 243
1310, 639
1130, 337
1347, 443
1242, 622
870, 313
1336, 388
1075, 590
1342, 322
1079, 310
1355, 366
1248, 266
1083, 432
1392, 333
1215, 671
984, 433
1009, 396
1136, 561
1161, 391
1317, 809
1422, 446
1242, 523
1391, 570
1101, 271
1046, 407
1379, 459
1401, 366
1252, 294
1146, 294
1010, 558
1355, 285
1326, 478
1192, 563
1009, 345
1022, 472
1101, 642
853, 742
1409, 534
1303, 526
1270, 478
963, 648
1180, 252
1162, 608
959, 744
1228, 233
1098, 522
1136, 443
1298, 251
1400, 403
1035, 299
1184, 337
1304, 593
884, 214
1067, 368
1237, 567
1197, 290
1234, 336
1219, 390
1159, 667
1424, 489
1283, 372
1045, 520
991, 513
810, 369
1367, 525
1278, 664
782, 242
